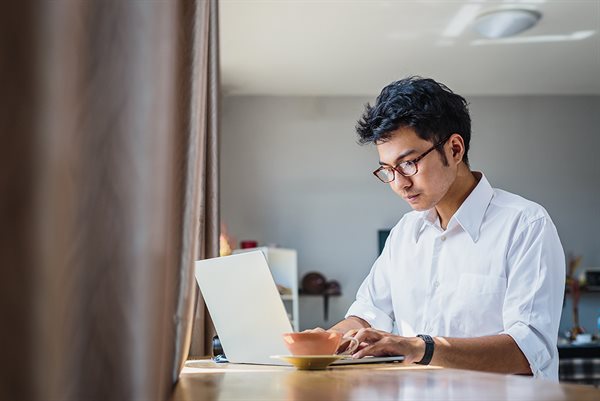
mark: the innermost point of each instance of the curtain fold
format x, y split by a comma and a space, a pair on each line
108, 175
19, 26
208, 243
199, 91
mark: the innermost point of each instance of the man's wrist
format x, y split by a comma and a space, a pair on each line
419, 349
351, 323
359, 320
428, 345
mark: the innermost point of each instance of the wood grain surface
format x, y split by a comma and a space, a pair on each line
207, 381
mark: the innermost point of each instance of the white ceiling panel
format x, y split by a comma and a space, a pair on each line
286, 47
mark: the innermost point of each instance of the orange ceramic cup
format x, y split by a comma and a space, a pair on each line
317, 343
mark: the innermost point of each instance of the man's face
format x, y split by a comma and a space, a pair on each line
430, 184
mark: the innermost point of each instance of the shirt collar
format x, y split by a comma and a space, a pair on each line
469, 215
427, 217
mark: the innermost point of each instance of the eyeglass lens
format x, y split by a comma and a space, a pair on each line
406, 169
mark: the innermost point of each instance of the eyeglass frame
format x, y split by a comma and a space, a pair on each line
414, 161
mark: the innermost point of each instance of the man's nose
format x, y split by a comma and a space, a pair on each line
400, 182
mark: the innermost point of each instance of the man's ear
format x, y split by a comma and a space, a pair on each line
457, 146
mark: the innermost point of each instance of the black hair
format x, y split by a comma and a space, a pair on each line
427, 106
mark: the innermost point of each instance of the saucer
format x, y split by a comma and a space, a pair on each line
309, 362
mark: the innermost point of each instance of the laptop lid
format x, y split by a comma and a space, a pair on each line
245, 307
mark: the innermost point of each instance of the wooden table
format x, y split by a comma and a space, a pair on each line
207, 381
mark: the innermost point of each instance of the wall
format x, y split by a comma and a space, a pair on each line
293, 174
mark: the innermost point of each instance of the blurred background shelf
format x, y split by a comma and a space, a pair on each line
585, 289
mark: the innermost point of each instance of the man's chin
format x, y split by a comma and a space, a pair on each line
419, 206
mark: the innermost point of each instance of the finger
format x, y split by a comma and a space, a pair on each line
369, 335
369, 350
387, 346
351, 333
361, 346
377, 349
315, 330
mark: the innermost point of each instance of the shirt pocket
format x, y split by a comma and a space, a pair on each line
479, 303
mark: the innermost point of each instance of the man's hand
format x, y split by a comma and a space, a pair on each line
380, 343
348, 327
315, 330
343, 344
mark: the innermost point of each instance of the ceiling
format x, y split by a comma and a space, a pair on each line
351, 47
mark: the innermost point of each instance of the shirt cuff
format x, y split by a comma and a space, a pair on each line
377, 318
532, 346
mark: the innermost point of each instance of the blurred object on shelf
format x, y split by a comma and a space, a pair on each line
573, 283
584, 338
225, 242
248, 244
333, 287
313, 283
573, 263
283, 290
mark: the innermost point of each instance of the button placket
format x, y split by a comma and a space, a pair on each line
434, 289
431, 290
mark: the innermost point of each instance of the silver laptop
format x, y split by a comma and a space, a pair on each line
247, 310
245, 307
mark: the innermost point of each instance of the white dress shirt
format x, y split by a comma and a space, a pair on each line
499, 267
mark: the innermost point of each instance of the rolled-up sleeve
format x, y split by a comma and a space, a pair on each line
373, 299
534, 297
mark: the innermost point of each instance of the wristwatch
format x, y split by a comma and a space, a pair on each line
429, 344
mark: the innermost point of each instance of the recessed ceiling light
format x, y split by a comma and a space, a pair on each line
579, 35
505, 23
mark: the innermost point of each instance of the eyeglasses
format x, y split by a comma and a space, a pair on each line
407, 168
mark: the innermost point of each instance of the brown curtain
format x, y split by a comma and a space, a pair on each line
200, 213
208, 122
108, 178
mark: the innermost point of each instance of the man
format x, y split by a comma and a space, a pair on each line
477, 272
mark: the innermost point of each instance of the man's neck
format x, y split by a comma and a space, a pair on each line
460, 189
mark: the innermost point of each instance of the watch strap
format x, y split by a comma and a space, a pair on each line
429, 345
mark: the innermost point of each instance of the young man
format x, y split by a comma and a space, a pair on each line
474, 277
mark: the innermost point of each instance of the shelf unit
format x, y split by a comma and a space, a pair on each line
283, 264
585, 289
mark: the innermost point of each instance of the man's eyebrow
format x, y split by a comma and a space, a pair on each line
400, 157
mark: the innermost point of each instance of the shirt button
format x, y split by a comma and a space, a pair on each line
443, 238
436, 284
